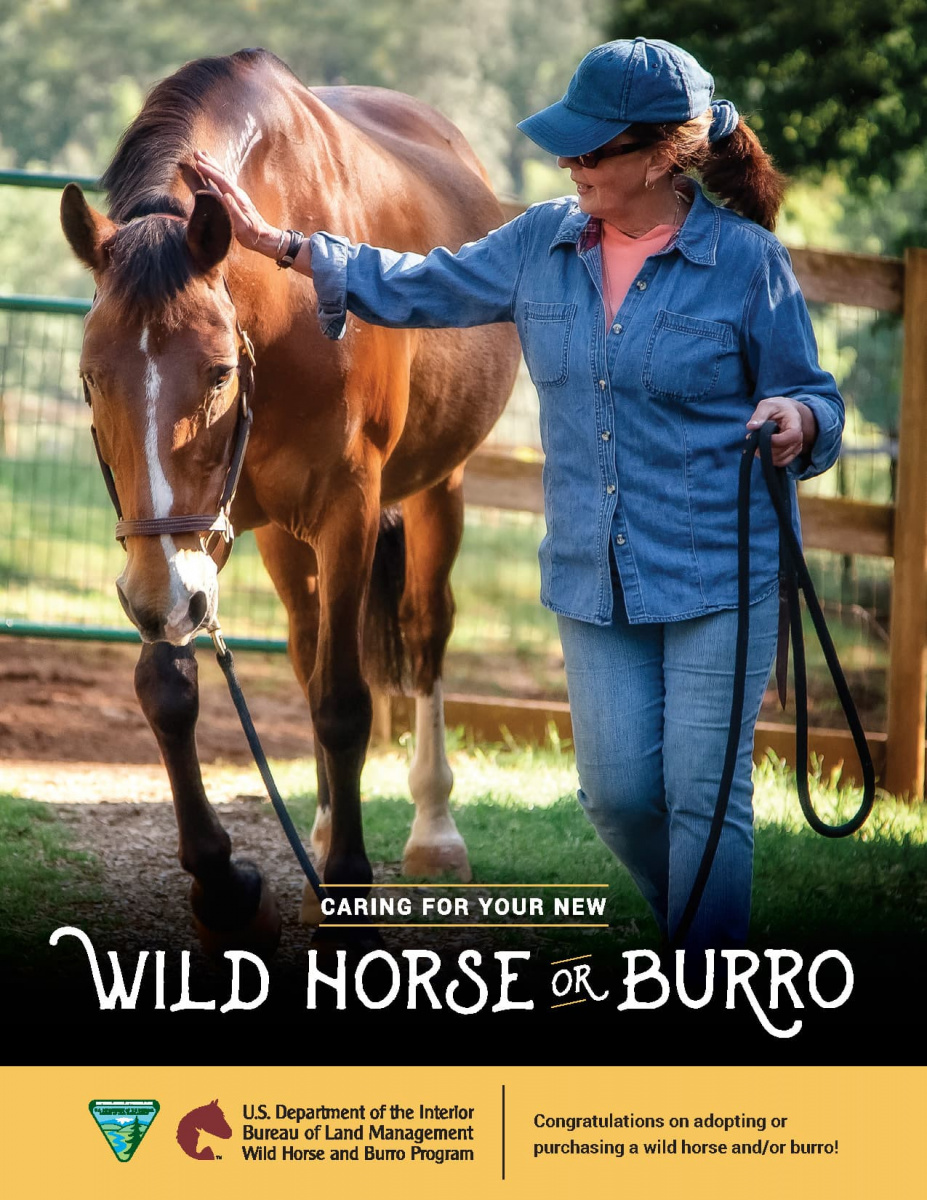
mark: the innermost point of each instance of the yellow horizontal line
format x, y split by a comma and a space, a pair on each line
558, 961
567, 1003
458, 925
463, 885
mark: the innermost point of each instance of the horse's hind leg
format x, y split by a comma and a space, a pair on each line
433, 529
232, 904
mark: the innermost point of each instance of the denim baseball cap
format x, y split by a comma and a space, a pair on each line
617, 85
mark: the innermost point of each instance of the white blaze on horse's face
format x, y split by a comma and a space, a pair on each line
159, 365
192, 575
165, 407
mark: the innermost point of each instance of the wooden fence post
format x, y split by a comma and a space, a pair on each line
904, 768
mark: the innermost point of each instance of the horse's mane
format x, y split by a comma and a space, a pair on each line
138, 179
149, 260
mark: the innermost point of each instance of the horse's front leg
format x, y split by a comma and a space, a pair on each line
339, 696
233, 907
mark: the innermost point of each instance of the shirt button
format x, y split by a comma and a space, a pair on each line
602, 384
606, 434
616, 328
642, 285
610, 489
620, 539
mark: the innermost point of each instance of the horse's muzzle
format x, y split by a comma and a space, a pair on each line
174, 607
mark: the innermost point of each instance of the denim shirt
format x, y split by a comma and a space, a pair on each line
642, 422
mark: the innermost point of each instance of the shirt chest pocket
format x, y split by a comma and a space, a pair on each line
546, 341
683, 356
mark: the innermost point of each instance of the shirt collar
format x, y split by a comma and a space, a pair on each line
697, 239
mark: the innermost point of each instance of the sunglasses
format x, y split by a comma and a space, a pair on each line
594, 157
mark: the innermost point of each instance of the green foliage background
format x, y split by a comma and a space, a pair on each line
836, 89
73, 73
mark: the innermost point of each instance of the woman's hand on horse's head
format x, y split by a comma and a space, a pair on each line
249, 226
798, 428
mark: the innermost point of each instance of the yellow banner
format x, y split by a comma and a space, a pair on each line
135, 1133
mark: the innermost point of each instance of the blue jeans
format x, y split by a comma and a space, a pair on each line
651, 707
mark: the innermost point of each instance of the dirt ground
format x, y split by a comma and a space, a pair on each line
72, 736
71, 702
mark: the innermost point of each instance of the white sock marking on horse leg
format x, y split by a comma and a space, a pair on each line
434, 844
430, 775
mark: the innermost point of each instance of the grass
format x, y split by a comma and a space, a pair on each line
40, 874
516, 809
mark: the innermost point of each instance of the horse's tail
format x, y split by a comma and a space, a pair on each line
384, 652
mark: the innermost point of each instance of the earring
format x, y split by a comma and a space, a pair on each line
649, 186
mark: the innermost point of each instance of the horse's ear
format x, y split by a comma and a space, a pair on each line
209, 232
85, 228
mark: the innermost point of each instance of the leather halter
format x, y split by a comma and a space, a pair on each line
209, 527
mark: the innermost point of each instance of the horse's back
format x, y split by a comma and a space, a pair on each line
446, 178
401, 120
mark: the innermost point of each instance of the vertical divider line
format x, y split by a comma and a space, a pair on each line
503, 1131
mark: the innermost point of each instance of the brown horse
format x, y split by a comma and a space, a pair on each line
341, 430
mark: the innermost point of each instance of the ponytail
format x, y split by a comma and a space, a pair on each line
739, 170
733, 166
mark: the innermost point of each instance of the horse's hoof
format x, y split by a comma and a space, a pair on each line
310, 912
242, 915
446, 858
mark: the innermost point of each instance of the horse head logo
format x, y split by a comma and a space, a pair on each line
208, 1119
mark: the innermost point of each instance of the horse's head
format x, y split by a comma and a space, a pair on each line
160, 365
217, 1125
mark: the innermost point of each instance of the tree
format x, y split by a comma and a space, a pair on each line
73, 72
829, 84
133, 1135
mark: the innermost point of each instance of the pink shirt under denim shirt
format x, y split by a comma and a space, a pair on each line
643, 419
622, 258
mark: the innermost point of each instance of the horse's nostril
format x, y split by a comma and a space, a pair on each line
197, 609
126, 607
150, 626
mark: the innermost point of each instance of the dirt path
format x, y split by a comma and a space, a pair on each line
75, 702
72, 736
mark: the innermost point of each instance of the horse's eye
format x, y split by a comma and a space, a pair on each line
88, 383
221, 376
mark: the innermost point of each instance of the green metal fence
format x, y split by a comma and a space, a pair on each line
58, 558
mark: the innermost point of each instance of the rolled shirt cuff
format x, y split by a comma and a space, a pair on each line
329, 258
826, 445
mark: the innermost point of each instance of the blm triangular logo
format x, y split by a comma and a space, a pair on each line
124, 1123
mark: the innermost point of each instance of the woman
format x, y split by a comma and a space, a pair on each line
657, 327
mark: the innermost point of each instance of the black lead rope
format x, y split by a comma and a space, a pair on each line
796, 578
227, 663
